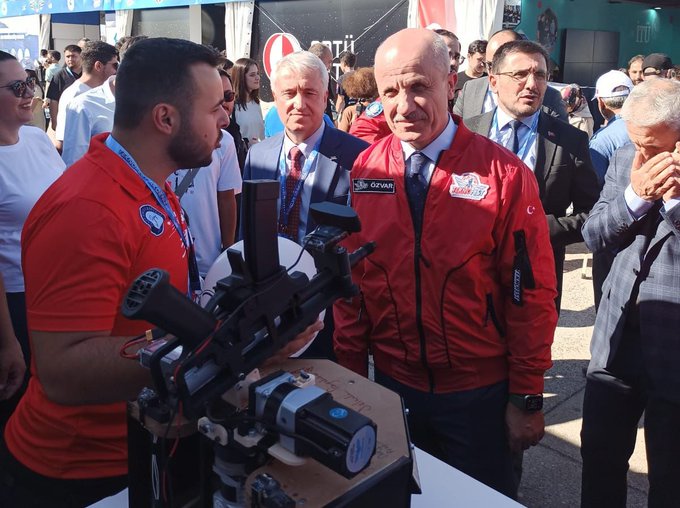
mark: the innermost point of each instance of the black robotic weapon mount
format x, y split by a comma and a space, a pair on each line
254, 312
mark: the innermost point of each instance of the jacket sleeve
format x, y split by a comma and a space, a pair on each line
527, 272
458, 106
583, 193
610, 223
554, 105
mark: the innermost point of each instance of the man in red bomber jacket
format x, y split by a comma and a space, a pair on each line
457, 301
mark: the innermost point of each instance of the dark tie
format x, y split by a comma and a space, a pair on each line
416, 187
513, 142
290, 227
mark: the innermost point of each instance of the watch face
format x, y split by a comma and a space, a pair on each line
533, 402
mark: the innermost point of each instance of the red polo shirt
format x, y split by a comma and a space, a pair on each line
88, 237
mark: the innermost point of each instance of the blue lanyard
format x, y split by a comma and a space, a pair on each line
306, 169
162, 200
523, 149
158, 193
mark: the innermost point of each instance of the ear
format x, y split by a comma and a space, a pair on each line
493, 82
166, 118
451, 80
98, 66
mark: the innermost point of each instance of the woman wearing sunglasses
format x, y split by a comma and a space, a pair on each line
29, 164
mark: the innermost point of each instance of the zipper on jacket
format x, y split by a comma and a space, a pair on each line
417, 256
491, 313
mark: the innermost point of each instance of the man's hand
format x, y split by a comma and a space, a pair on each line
525, 428
673, 191
296, 344
651, 180
12, 368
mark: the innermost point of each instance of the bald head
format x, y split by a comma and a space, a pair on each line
497, 40
412, 73
414, 43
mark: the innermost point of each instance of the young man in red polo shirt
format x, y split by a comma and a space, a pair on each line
107, 220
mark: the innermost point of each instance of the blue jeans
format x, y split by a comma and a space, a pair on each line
464, 429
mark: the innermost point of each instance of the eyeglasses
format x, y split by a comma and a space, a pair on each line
522, 76
456, 57
229, 96
20, 87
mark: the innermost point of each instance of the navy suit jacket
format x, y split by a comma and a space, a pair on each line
470, 101
648, 259
337, 153
565, 176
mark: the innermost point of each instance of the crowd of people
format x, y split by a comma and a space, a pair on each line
472, 184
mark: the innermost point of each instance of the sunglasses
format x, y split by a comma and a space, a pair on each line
229, 96
21, 87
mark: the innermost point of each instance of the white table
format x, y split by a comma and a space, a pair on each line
445, 486
442, 485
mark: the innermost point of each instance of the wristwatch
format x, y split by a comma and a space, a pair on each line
527, 402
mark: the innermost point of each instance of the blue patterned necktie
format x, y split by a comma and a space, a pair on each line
416, 187
515, 127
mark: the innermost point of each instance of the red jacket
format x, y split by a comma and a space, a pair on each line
371, 125
470, 303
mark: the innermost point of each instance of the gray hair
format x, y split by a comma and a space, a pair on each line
297, 63
654, 102
614, 103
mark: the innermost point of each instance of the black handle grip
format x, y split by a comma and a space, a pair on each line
152, 298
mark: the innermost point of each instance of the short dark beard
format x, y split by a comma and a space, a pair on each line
185, 149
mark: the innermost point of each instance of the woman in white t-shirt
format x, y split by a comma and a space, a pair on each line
248, 114
29, 164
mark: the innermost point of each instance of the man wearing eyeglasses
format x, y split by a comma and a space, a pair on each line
100, 61
453, 43
555, 151
477, 97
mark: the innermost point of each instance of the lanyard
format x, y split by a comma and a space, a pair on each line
524, 148
162, 200
306, 169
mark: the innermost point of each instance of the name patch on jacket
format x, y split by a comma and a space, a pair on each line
380, 186
152, 218
467, 186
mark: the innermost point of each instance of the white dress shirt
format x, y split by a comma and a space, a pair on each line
87, 115
501, 132
306, 148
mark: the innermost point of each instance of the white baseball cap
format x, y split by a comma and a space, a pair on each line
608, 83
